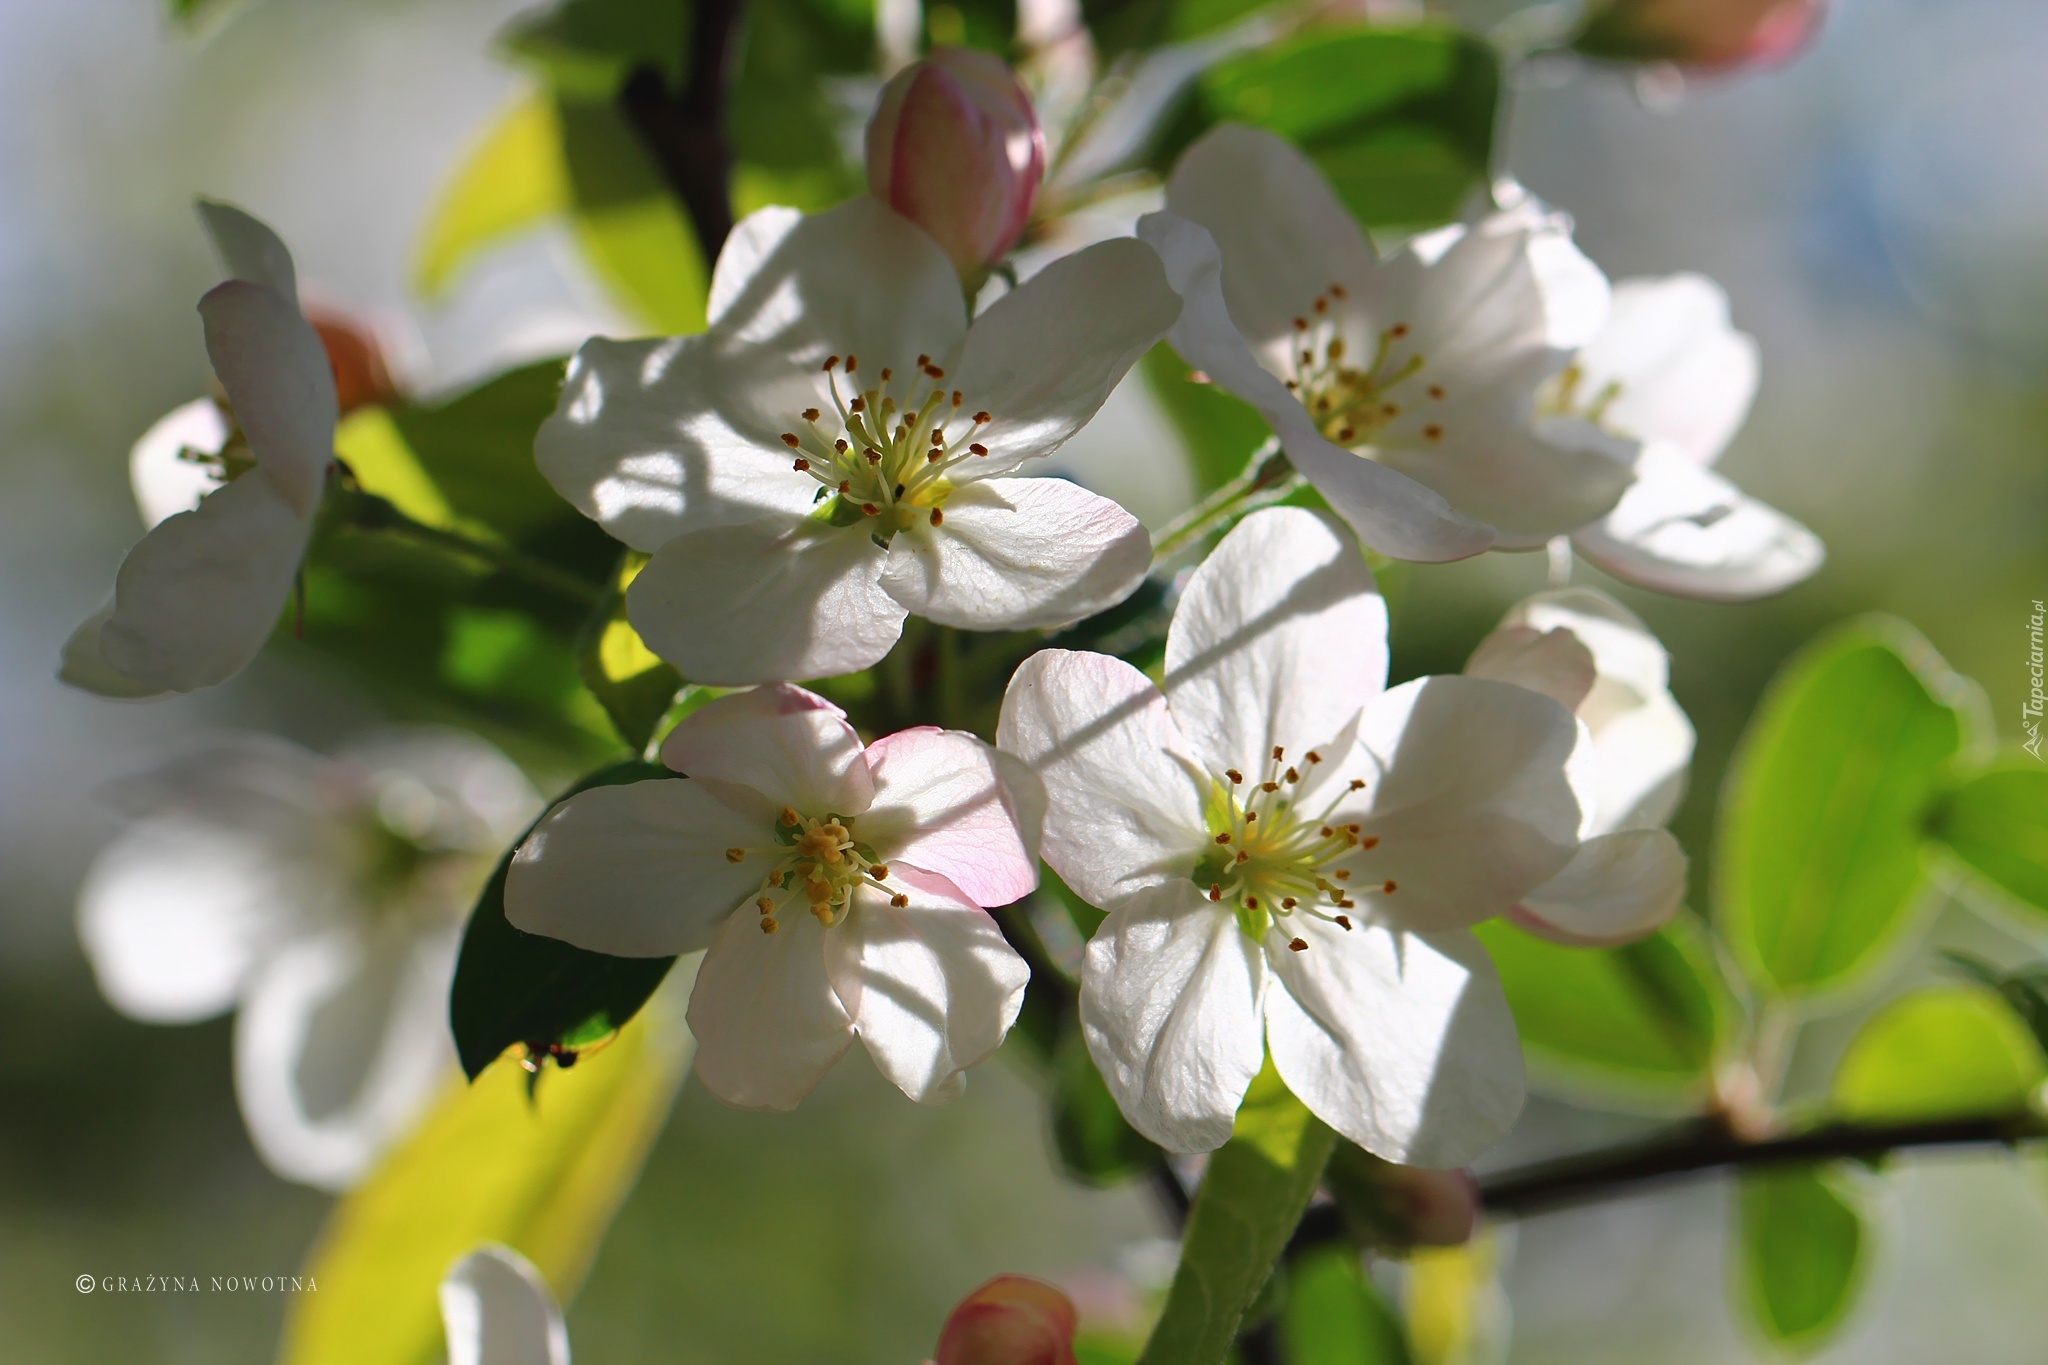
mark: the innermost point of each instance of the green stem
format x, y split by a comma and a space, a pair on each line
1268, 477
368, 512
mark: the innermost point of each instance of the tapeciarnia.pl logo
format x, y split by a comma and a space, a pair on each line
2030, 714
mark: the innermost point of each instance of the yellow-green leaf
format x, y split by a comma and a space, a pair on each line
1944, 1051
1801, 1253
487, 1165
513, 180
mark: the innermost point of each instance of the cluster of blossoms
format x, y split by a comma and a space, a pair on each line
1290, 854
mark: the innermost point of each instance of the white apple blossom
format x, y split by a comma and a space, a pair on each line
1670, 371
1589, 653
840, 891
321, 898
834, 453
1292, 857
1405, 387
199, 594
497, 1310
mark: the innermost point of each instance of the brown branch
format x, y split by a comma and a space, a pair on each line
686, 131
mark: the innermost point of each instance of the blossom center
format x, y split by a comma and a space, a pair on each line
883, 454
816, 862
1560, 397
1270, 858
1374, 401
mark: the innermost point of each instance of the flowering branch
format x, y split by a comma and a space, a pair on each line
685, 132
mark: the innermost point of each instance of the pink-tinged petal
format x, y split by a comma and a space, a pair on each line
932, 985
1687, 531
1390, 511
1011, 1320
774, 599
1553, 662
1617, 887
199, 595
1476, 807
497, 1310
1171, 994
767, 1022
279, 382
1018, 554
164, 481
785, 743
1124, 789
638, 870
942, 804
1402, 1042
1279, 640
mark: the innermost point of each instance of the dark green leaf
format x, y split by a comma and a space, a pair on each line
1335, 1315
514, 987
1095, 1143
1997, 823
1630, 1027
1400, 120
1941, 1052
588, 47
1251, 1197
1802, 1257
633, 685
1221, 432
2025, 991
1821, 860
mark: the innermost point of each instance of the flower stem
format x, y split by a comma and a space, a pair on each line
368, 512
1268, 477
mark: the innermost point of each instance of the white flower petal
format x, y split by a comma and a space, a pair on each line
1530, 481
1284, 235
748, 247
1124, 789
1279, 639
1018, 554
248, 249
279, 382
1686, 530
445, 787
1475, 808
944, 802
1391, 512
638, 870
932, 986
1680, 371
1043, 358
200, 593
1403, 1043
1170, 1006
1553, 662
340, 1043
164, 482
84, 664
773, 599
789, 745
1617, 887
497, 1310
174, 915
767, 1021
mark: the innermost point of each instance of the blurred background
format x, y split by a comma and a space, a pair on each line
1873, 209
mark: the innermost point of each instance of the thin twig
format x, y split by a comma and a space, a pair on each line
685, 131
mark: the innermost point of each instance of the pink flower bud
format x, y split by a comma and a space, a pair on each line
1434, 1208
956, 148
361, 379
1011, 1320
1704, 34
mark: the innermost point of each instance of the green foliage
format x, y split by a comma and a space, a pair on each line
1801, 1254
1629, 1027
1335, 1315
632, 683
1941, 1052
588, 47
1252, 1195
1997, 823
1821, 862
513, 987
1400, 120
2025, 991
1221, 432
543, 1172
1094, 1141
477, 448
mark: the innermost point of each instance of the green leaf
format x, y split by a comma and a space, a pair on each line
513, 987
1095, 1142
632, 683
1221, 432
627, 222
589, 47
513, 180
1400, 120
1997, 823
1802, 1256
1251, 1197
1633, 1027
1335, 1315
1821, 860
2025, 991
543, 1173
1944, 1051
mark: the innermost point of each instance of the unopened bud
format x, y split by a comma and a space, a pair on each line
956, 148
1011, 1320
1433, 1208
361, 378
1703, 34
